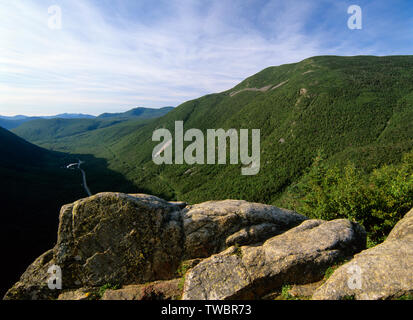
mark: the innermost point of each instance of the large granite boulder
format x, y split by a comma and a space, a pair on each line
118, 238
382, 272
300, 255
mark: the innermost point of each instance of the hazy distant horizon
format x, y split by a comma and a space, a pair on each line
78, 113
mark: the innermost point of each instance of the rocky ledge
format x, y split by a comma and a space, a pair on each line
117, 246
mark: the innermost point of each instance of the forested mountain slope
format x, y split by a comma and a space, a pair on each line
357, 109
351, 108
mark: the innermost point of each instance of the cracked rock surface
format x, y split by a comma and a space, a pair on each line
300, 255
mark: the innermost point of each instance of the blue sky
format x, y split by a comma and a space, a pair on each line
110, 56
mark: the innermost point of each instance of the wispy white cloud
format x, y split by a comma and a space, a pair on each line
103, 60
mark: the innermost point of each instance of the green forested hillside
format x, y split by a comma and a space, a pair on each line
353, 110
43, 129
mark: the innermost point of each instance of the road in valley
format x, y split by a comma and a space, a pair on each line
83, 175
84, 179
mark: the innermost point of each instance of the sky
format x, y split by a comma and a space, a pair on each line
114, 55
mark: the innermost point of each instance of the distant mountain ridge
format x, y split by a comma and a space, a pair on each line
13, 118
12, 122
61, 115
138, 112
70, 116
